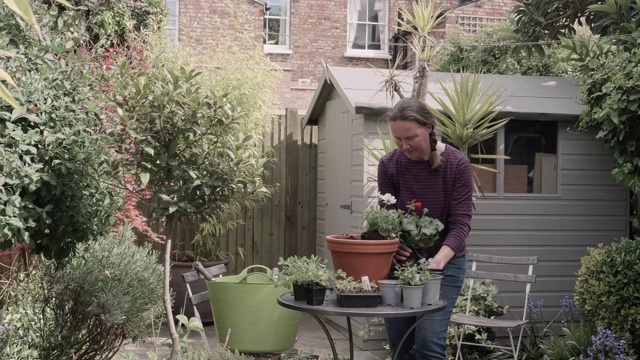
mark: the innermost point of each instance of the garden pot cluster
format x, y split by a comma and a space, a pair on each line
415, 287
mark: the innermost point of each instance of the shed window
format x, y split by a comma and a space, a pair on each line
532, 167
276, 26
367, 28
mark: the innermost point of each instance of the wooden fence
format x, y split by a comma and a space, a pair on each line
286, 223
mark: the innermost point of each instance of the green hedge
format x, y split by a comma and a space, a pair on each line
608, 290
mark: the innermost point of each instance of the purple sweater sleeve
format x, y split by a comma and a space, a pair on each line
447, 192
460, 209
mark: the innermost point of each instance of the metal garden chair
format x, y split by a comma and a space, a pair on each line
459, 321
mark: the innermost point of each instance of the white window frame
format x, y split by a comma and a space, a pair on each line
279, 48
172, 30
354, 6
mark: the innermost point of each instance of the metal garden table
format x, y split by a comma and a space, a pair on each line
332, 308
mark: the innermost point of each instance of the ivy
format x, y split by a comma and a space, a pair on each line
612, 95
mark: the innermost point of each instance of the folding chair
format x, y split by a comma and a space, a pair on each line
195, 299
525, 280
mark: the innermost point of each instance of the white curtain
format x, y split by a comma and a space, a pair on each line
282, 34
380, 7
354, 11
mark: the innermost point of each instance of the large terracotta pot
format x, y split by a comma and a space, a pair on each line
360, 258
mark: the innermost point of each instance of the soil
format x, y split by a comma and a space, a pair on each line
371, 235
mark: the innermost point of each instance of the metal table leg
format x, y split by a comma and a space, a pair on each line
405, 336
350, 338
326, 332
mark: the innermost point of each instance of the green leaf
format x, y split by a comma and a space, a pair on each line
144, 178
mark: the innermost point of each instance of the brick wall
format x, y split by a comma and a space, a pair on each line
318, 32
201, 21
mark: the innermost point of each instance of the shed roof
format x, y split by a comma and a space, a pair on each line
526, 97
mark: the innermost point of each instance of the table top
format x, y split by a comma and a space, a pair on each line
331, 307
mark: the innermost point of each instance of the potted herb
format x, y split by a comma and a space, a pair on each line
386, 226
413, 277
431, 292
353, 293
305, 275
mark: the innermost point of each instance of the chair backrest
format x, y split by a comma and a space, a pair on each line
188, 277
527, 278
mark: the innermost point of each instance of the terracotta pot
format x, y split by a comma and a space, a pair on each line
360, 258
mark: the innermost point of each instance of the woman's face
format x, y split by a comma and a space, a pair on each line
412, 139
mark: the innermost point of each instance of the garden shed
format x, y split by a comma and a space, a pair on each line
553, 198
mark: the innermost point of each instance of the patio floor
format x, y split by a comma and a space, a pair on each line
311, 340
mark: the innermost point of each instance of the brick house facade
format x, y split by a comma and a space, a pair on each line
317, 33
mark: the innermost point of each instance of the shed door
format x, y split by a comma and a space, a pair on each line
338, 175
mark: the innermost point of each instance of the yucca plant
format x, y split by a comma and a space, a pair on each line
468, 117
420, 22
378, 152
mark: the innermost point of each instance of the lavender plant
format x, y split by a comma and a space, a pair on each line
606, 347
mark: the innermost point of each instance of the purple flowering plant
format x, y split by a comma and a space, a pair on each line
604, 346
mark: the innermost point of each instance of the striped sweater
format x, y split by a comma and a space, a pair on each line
446, 192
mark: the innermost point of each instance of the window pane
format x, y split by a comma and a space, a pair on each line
171, 27
486, 179
367, 25
276, 10
532, 150
275, 29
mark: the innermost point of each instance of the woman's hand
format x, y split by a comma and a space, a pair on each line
402, 254
442, 258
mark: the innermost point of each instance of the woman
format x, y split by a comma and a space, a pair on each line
439, 176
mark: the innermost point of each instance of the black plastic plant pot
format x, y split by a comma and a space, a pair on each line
299, 292
315, 295
358, 300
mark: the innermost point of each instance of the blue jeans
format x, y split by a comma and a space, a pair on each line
428, 341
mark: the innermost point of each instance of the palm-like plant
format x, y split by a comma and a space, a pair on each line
468, 117
387, 146
419, 24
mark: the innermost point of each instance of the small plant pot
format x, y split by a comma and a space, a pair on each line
315, 295
299, 292
391, 292
431, 292
358, 300
412, 296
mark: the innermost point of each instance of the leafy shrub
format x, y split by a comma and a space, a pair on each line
483, 303
608, 291
491, 51
55, 190
106, 294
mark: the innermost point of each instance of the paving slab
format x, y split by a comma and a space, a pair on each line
311, 340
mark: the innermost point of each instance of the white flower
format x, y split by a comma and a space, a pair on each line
387, 199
